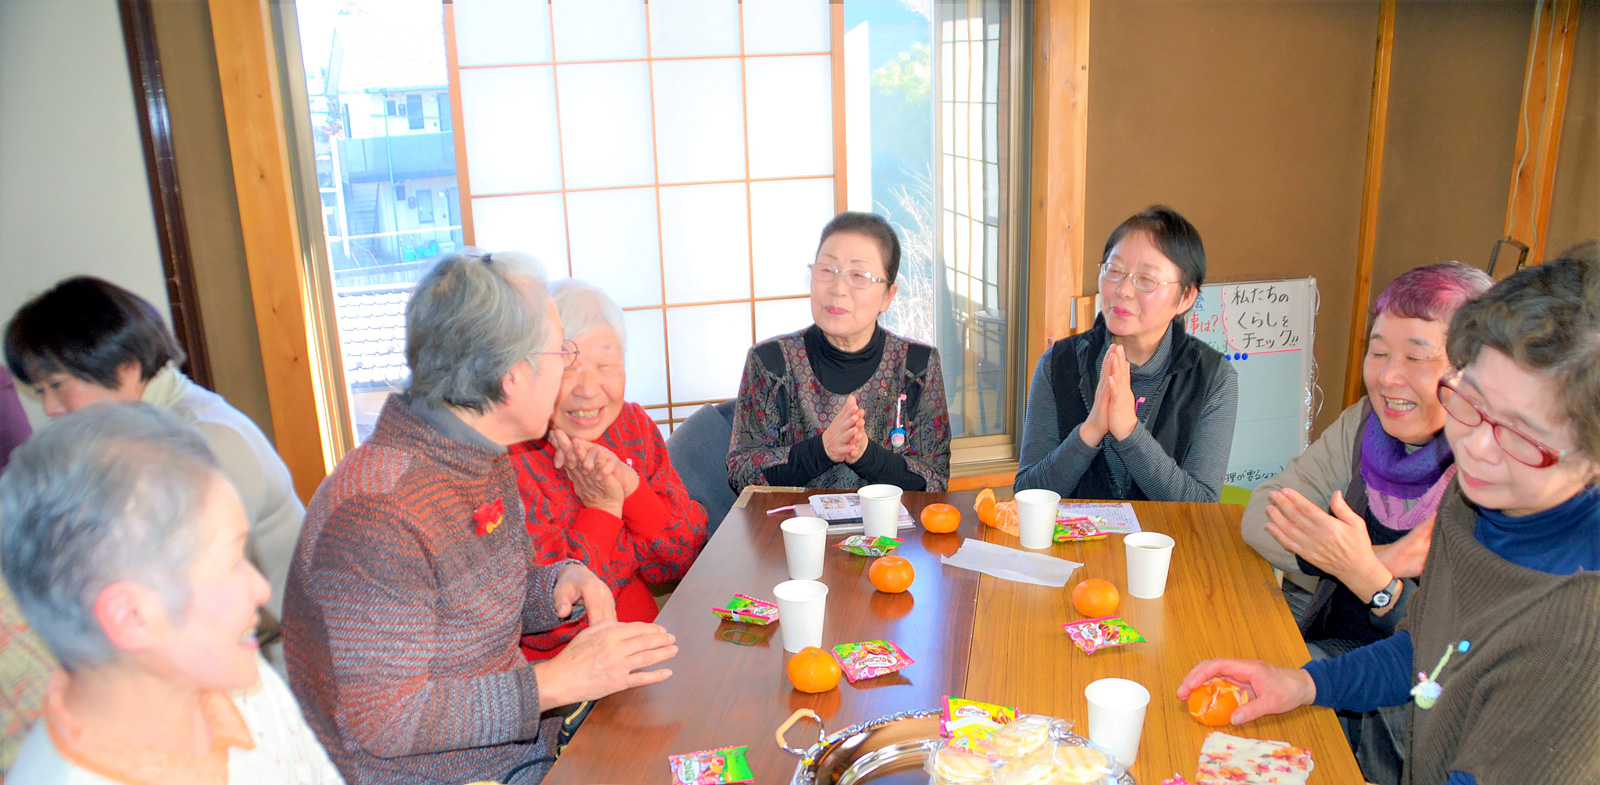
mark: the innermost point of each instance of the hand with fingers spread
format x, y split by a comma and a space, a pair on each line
1273, 689
595, 472
1335, 542
845, 439
604, 659
577, 583
1406, 556
1122, 412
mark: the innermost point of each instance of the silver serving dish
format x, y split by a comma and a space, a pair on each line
890, 750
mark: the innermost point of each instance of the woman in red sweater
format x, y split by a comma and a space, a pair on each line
599, 487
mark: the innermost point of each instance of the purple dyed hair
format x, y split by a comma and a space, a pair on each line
1432, 292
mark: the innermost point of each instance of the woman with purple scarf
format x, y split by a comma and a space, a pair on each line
1350, 520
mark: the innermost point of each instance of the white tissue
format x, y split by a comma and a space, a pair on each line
1011, 564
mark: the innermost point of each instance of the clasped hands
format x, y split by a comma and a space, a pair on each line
606, 657
600, 479
1115, 410
845, 439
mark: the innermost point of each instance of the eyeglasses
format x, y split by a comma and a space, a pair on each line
859, 279
1521, 447
1144, 282
568, 352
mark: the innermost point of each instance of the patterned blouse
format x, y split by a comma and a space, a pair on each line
784, 408
656, 539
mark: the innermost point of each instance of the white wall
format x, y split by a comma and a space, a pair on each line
74, 198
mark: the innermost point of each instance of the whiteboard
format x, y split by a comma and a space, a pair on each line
1265, 328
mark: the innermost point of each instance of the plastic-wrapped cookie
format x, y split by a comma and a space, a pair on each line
1028, 772
956, 765
1081, 765
1023, 736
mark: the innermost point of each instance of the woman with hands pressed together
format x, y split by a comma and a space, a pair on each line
599, 487
1134, 408
844, 402
1498, 660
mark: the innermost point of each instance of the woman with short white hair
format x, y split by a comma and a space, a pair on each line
125, 547
600, 488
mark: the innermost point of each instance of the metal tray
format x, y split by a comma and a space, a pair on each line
890, 750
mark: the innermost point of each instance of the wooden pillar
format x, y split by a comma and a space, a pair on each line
1544, 106
258, 144
1060, 155
1367, 239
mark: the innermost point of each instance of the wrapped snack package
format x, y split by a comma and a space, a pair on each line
870, 659
1176, 779
862, 545
711, 767
1225, 758
964, 717
1092, 635
1077, 528
953, 764
748, 610
1021, 737
1083, 764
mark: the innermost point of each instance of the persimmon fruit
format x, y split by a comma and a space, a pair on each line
892, 574
941, 518
814, 670
1214, 702
1095, 597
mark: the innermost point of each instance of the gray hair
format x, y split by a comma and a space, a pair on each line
107, 494
469, 320
584, 307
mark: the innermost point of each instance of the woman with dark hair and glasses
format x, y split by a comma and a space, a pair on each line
844, 402
1135, 408
1498, 661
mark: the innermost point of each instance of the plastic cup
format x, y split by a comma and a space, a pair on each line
1036, 517
1116, 716
801, 606
1149, 557
880, 510
805, 540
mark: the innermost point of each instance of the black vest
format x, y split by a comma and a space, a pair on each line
1075, 373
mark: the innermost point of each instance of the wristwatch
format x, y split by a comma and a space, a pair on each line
1384, 595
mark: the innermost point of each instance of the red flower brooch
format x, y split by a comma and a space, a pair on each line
488, 516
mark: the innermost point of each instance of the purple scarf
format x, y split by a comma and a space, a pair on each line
1394, 477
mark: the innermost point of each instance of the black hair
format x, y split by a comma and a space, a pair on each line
88, 328
1546, 318
1177, 239
873, 226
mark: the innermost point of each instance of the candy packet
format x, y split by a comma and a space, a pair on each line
964, 717
711, 767
1092, 635
748, 610
870, 659
1077, 528
862, 545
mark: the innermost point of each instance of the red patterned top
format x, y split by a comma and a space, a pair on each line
656, 539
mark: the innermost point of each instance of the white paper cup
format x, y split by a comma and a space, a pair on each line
1149, 556
801, 606
805, 540
1116, 716
880, 510
1036, 517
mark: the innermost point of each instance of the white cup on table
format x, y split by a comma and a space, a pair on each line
801, 608
1116, 716
805, 540
880, 510
1149, 558
1036, 517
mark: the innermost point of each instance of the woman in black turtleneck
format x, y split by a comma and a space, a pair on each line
818, 408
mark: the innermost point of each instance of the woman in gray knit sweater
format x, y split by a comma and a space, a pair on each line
1135, 408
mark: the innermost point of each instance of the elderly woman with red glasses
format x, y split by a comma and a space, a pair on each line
844, 402
1499, 657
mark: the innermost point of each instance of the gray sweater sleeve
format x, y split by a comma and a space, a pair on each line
1199, 478
1047, 461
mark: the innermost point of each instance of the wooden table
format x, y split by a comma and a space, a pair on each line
971, 635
